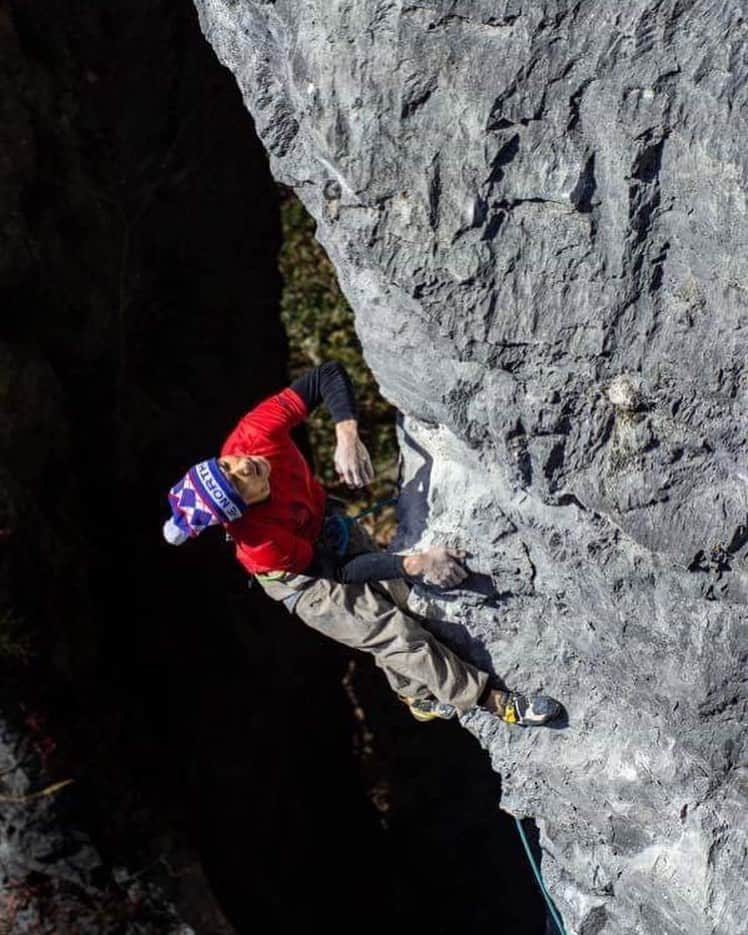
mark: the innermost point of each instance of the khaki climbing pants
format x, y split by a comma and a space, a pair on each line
373, 617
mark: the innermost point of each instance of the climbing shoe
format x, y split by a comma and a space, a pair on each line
429, 709
515, 708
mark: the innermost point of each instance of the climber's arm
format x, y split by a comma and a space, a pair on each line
330, 384
437, 565
278, 414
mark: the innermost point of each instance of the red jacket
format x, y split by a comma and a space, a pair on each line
279, 533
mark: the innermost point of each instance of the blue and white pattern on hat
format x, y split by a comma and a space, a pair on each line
202, 498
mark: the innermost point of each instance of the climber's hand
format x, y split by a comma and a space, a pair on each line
352, 461
439, 566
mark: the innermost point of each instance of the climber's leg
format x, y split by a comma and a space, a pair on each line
363, 616
367, 617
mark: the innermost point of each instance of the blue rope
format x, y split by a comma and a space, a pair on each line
551, 908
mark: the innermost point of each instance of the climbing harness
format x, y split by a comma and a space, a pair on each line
551, 908
337, 532
337, 526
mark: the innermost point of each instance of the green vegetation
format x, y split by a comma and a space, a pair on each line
319, 325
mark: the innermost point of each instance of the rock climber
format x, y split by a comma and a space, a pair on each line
293, 539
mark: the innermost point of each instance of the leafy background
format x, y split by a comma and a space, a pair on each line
320, 326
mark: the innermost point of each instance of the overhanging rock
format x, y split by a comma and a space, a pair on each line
538, 213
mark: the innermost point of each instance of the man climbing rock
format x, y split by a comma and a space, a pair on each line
292, 537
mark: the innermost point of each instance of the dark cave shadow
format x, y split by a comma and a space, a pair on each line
309, 826
454, 821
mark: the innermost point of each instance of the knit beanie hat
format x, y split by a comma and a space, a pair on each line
202, 498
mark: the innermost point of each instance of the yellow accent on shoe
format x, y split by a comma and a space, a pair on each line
503, 705
272, 576
417, 712
424, 715
510, 715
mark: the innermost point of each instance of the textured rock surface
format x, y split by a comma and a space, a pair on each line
538, 212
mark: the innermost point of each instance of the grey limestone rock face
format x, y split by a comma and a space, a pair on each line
538, 213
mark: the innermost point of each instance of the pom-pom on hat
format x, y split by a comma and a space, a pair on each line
202, 498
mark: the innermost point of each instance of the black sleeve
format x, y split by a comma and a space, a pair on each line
372, 566
329, 384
